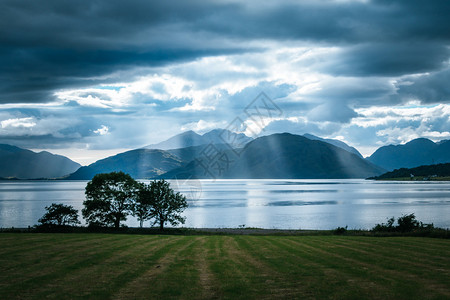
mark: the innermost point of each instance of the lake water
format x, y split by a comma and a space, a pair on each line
283, 204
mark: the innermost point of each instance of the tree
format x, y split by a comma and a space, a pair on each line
108, 199
142, 205
59, 215
165, 205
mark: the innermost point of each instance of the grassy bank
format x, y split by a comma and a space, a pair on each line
116, 266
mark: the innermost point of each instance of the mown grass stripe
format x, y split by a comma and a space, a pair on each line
230, 271
149, 276
409, 284
272, 278
299, 267
412, 244
400, 255
30, 244
415, 271
41, 257
59, 267
348, 280
222, 267
393, 257
119, 269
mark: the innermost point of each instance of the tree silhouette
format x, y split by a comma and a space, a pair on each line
164, 203
109, 198
142, 206
59, 215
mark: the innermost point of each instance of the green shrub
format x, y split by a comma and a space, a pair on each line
340, 230
406, 223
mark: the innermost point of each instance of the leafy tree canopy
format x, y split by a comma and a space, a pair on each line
142, 206
59, 215
165, 204
109, 199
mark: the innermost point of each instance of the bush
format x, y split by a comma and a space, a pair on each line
340, 230
388, 227
406, 223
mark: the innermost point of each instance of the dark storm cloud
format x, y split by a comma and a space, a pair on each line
54, 44
50, 45
429, 88
388, 59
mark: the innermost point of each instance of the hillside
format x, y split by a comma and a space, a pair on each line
415, 153
25, 164
336, 143
139, 163
281, 156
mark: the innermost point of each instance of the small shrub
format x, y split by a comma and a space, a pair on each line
340, 230
388, 227
406, 223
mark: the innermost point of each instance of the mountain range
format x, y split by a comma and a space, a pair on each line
21, 163
279, 156
224, 154
415, 153
139, 163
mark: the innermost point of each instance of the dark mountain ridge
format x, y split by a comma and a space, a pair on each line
139, 163
26, 164
190, 139
336, 143
415, 153
281, 156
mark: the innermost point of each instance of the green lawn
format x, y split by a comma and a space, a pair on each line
116, 266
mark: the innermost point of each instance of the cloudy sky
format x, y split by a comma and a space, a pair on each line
91, 79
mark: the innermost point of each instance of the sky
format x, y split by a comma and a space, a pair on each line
88, 80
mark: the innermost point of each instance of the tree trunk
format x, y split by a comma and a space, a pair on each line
141, 222
117, 223
161, 225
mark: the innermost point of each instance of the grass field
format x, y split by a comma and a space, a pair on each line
115, 266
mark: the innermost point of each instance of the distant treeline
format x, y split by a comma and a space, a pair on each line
438, 170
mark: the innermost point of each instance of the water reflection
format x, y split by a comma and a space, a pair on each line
296, 203
306, 204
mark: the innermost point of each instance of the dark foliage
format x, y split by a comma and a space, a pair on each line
406, 223
164, 204
142, 206
59, 215
440, 170
109, 199
340, 230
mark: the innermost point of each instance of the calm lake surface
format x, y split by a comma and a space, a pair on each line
283, 204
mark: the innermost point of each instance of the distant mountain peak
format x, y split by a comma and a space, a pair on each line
190, 139
420, 141
26, 164
417, 152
